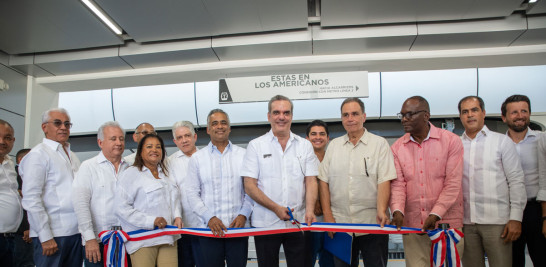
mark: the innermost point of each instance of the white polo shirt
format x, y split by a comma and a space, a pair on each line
178, 170
93, 196
280, 175
48, 174
10, 201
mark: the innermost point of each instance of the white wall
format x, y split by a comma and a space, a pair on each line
12, 104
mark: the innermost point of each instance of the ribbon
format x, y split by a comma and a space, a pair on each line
443, 252
114, 247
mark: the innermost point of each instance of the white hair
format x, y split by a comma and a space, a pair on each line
47, 114
100, 133
186, 124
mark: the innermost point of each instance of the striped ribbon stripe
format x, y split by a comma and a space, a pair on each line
443, 252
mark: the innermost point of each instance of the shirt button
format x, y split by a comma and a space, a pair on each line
421, 184
422, 197
423, 209
421, 171
420, 159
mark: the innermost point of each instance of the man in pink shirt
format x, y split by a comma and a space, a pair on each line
428, 190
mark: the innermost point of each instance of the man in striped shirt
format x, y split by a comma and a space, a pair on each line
493, 190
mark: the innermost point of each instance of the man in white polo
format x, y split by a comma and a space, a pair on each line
94, 188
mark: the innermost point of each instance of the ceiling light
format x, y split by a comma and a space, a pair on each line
91, 5
532, 1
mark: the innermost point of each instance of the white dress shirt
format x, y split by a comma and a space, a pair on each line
10, 200
93, 196
48, 174
541, 196
178, 169
493, 188
528, 155
281, 175
215, 186
130, 159
140, 199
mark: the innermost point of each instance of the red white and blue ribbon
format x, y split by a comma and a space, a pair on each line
114, 247
443, 252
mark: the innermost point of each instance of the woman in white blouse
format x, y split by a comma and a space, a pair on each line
147, 198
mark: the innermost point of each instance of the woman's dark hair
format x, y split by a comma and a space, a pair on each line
139, 163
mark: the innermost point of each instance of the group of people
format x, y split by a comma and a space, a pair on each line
489, 185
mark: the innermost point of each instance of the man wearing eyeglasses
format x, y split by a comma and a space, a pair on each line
48, 171
429, 166
141, 130
355, 184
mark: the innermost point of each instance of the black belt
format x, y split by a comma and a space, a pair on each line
8, 235
533, 199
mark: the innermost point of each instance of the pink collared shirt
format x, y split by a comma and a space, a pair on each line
429, 178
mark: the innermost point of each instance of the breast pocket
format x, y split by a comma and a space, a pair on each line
155, 195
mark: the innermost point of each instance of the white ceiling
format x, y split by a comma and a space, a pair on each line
61, 38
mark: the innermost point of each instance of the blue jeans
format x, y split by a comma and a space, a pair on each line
326, 259
23, 252
69, 253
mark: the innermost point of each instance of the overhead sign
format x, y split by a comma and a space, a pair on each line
294, 86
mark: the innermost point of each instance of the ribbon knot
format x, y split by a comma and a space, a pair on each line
114, 248
443, 252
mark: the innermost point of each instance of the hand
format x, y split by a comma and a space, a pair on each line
49, 247
318, 208
92, 250
26, 236
382, 218
512, 231
239, 222
430, 223
216, 226
330, 219
178, 222
160, 222
282, 213
397, 219
310, 217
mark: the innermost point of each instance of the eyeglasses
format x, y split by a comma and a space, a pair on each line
146, 132
59, 123
408, 115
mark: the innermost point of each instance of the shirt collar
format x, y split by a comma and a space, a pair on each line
7, 159
274, 138
527, 134
433, 132
484, 131
213, 148
54, 144
101, 158
364, 138
180, 154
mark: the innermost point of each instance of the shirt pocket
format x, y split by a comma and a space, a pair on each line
155, 195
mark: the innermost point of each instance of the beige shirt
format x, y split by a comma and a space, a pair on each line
353, 173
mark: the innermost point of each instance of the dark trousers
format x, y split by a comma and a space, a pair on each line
68, 255
215, 251
326, 259
531, 234
374, 249
7, 246
22, 256
297, 249
189, 254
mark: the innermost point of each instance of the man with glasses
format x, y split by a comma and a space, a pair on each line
428, 190
141, 130
355, 184
48, 171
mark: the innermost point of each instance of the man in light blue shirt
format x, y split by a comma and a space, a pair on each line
216, 194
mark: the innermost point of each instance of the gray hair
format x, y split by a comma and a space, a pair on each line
280, 98
47, 114
100, 133
356, 100
186, 124
217, 110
